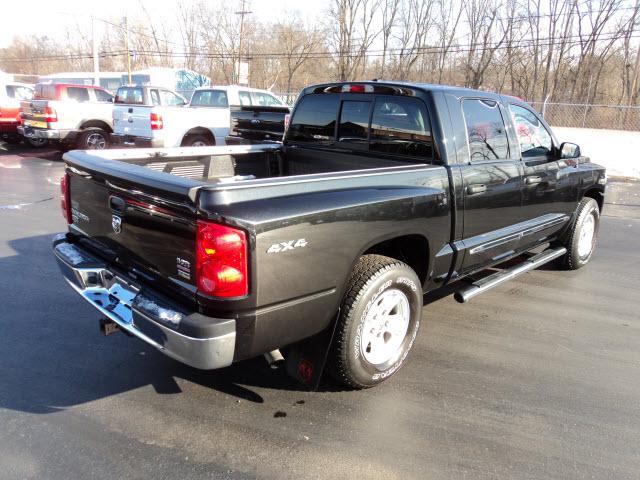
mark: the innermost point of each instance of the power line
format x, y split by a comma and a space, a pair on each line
567, 40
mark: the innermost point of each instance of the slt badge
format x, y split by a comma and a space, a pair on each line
116, 223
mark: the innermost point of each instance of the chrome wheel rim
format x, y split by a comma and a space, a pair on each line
385, 327
96, 141
587, 233
199, 143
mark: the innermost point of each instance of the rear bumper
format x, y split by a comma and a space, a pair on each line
133, 141
48, 134
191, 338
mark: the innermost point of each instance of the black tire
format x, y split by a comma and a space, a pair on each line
373, 279
197, 141
92, 139
36, 142
577, 257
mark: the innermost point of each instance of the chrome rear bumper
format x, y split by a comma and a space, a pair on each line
138, 311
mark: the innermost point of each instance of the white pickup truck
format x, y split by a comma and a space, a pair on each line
145, 116
72, 116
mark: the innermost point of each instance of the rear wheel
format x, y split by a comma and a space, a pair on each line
93, 139
378, 322
197, 141
581, 239
12, 139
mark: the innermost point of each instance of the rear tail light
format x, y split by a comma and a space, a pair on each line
50, 114
156, 121
221, 260
65, 198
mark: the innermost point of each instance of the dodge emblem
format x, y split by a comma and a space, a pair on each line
116, 223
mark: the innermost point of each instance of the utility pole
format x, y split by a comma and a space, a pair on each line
242, 13
126, 46
94, 45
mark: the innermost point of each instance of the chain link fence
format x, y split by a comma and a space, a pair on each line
609, 117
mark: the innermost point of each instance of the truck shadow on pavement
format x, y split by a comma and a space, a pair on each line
54, 357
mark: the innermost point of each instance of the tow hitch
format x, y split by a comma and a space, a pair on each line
107, 327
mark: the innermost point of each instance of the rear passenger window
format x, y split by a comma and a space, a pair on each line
400, 126
245, 98
354, 121
155, 97
314, 119
78, 94
485, 130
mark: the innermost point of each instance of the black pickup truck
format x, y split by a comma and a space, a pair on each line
320, 248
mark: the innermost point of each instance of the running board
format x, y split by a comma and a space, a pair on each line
467, 293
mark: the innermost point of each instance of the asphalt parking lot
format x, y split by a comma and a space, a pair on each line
539, 378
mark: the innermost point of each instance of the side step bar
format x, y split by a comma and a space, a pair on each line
467, 293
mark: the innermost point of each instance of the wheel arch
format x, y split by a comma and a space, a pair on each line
597, 194
96, 124
198, 131
412, 249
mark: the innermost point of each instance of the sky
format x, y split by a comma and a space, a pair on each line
50, 17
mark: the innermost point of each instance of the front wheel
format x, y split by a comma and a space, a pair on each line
378, 322
580, 241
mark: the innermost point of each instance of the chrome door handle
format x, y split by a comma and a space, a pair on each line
533, 180
473, 189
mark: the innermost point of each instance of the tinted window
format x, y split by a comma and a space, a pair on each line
103, 96
400, 126
314, 119
210, 98
265, 100
78, 94
245, 98
485, 130
354, 121
533, 137
129, 95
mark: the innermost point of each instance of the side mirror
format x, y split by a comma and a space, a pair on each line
569, 150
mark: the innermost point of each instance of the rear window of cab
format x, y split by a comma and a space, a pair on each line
130, 96
210, 98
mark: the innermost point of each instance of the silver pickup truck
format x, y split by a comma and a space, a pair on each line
72, 116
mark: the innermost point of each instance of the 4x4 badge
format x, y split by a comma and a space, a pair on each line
116, 223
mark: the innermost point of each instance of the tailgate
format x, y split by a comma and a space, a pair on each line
33, 113
258, 123
143, 222
132, 120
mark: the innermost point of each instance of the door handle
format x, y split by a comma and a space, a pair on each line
473, 189
533, 180
131, 110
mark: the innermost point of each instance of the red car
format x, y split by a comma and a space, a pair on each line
11, 93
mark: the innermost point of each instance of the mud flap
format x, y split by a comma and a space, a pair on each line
306, 359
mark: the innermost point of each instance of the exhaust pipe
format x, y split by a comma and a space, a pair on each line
274, 358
